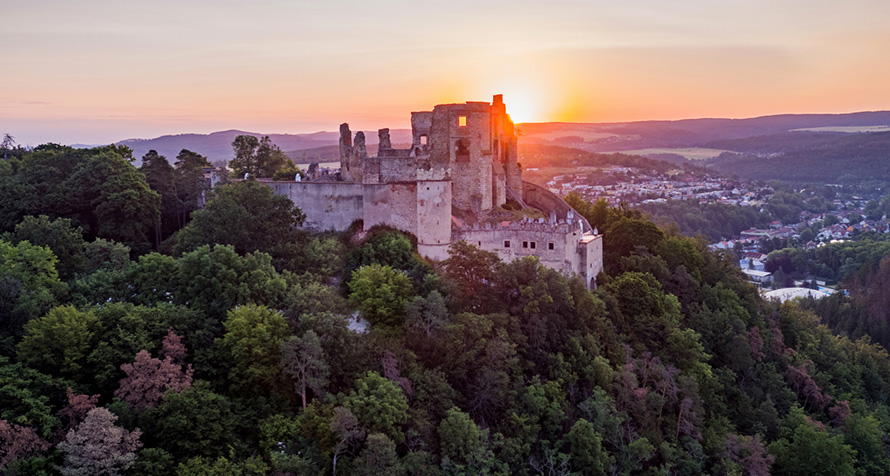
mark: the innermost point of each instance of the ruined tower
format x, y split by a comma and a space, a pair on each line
461, 164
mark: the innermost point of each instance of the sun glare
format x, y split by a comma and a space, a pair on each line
521, 108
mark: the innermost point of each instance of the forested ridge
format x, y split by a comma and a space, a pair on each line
231, 348
819, 158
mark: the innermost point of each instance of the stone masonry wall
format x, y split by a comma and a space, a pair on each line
327, 205
433, 218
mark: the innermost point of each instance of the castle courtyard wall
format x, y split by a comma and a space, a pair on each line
329, 206
391, 204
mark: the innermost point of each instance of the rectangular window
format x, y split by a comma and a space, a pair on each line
462, 121
550, 246
525, 244
534, 245
506, 243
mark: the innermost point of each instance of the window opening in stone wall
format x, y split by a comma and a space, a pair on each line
507, 244
550, 246
462, 121
533, 245
525, 244
462, 150
424, 139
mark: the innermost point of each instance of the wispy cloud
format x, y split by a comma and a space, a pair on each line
23, 102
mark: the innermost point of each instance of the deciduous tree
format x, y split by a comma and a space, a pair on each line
379, 404
149, 378
99, 447
303, 359
58, 343
380, 292
17, 442
254, 335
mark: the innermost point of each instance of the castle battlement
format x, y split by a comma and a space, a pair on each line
462, 160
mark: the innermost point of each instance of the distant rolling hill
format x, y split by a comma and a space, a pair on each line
218, 145
822, 148
844, 159
686, 133
671, 140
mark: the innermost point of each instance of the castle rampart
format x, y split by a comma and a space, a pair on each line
462, 160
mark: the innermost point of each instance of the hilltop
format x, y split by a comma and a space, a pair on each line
218, 145
806, 143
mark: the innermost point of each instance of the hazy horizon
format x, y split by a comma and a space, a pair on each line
99, 71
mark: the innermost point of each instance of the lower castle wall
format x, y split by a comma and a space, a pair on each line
327, 205
391, 204
562, 257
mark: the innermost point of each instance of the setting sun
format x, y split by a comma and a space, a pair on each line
521, 108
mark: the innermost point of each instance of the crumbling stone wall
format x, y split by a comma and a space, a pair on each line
391, 204
327, 205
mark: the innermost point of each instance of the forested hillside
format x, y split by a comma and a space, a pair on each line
848, 158
235, 352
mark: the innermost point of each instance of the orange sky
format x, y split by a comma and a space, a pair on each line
100, 71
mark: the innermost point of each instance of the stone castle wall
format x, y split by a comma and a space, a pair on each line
462, 156
327, 205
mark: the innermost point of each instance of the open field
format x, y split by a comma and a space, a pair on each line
586, 135
691, 153
850, 129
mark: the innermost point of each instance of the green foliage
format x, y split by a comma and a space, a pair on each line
716, 221
98, 189
303, 360
379, 404
651, 319
221, 466
247, 216
258, 158
391, 248
194, 422
463, 443
161, 177
253, 337
627, 235
153, 462
813, 452
380, 292
471, 271
216, 279
60, 236
674, 365
379, 457
105, 254
860, 157
29, 286
58, 343
587, 450
28, 397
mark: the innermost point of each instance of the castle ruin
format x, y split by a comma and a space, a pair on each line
458, 181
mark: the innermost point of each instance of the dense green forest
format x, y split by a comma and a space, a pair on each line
861, 268
233, 350
846, 159
715, 221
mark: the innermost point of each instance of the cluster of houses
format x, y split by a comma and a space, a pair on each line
653, 187
636, 186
